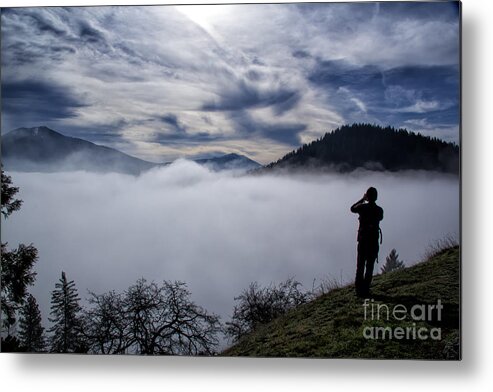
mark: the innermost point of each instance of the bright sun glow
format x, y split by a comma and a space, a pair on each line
205, 15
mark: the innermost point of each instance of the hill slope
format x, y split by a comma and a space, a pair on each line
375, 148
333, 325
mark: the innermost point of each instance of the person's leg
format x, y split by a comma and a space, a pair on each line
370, 264
360, 268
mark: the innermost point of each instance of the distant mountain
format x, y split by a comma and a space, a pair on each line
374, 148
42, 149
229, 162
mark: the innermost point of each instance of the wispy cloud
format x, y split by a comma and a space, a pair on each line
168, 81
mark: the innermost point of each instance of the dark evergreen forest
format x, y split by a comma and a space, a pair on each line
375, 148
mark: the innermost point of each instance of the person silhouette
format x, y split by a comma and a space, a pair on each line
370, 215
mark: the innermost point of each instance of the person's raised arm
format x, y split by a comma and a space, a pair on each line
354, 207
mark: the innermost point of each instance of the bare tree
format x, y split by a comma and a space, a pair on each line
105, 325
150, 319
259, 305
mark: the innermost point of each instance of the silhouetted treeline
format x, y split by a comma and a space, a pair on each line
375, 148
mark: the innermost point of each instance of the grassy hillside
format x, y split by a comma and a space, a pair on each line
334, 324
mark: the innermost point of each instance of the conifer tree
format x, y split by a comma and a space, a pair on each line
9, 204
392, 262
16, 265
30, 329
65, 311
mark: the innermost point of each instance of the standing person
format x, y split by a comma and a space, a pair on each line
370, 215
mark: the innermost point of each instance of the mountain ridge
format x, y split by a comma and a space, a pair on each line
345, 149
230, 161
46, 150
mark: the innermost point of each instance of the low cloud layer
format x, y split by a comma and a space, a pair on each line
215, 231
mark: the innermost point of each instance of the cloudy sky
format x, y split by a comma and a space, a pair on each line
162, 82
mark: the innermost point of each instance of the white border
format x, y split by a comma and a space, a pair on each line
88, 373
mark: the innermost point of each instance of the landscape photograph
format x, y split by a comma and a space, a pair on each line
233, 180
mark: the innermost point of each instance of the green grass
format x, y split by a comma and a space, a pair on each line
332, 325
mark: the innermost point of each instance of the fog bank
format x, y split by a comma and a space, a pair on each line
215, 231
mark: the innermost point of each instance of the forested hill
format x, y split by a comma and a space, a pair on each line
375, 148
